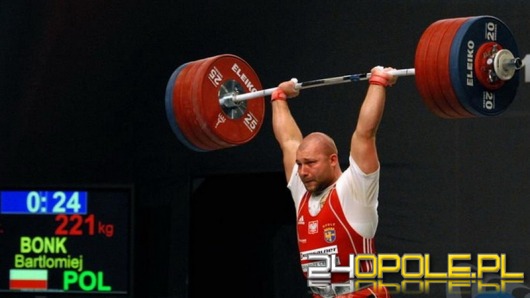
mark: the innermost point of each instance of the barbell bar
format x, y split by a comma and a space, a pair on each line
234, 98
464, 67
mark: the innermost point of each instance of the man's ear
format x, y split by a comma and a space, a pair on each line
334, 158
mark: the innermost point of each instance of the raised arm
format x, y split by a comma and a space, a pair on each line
363, 142
285, 129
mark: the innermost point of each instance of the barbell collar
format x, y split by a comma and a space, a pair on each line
505, 64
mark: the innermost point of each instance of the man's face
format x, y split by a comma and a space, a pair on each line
314, 169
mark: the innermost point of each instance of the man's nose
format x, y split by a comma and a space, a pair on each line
302, 170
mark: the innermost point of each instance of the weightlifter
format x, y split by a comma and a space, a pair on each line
336, 211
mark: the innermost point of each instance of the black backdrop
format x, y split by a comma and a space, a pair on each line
82, 102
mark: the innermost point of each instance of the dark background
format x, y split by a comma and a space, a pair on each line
82, 86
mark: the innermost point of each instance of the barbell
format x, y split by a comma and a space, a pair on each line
464, 67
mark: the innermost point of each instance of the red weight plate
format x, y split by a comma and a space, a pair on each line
433, 72
172, 113
189, 123
210, 77
186, 95
439, 69
446, 90
422, 65
199, 110
180, 122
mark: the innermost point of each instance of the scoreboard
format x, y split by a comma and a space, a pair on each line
66, 241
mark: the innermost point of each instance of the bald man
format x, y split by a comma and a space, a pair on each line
336, 210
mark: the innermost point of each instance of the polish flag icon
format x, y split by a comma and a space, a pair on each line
28, 279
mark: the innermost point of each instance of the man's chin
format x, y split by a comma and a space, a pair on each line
310, 187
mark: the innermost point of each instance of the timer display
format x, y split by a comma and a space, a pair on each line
66, 241
43, 202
